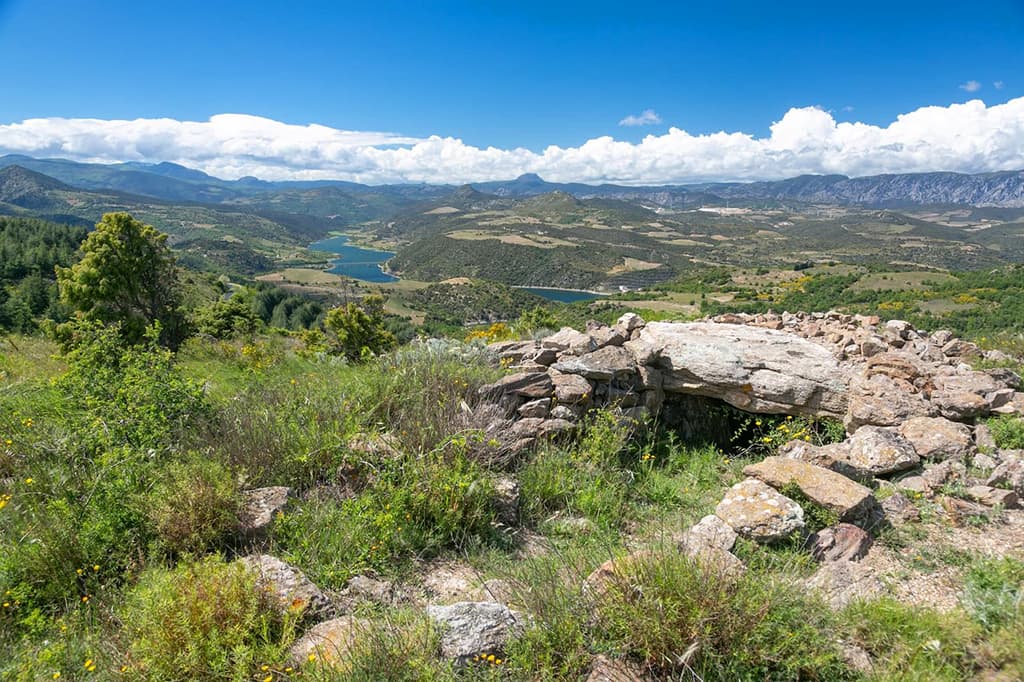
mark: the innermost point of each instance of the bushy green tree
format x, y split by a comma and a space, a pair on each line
357, 331
226, 319
127, 275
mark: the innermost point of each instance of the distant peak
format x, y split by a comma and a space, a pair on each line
529, 177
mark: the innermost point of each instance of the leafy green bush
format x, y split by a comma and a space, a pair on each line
134, 395
202, 620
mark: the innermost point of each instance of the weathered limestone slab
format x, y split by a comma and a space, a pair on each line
328, 644
605, 364
757, 512
937, 438
754, 369
833, 491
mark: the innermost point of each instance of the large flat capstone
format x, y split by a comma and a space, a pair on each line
754, 369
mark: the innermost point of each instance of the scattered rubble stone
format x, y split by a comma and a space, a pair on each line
473, 628
757, 512
842, 542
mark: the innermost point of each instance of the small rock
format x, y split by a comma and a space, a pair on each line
371, 589
289, 586
983, 438
756, 511
529, 385
527, 428
551, 428
328, 643
260, 506
630, 321
570, 341
604, 669
473, 628
937, 438
571, 389
506, 500
841, 582
898, 509
993, 497
710, 531
1009, 474
945, 472
619, 571
857, 658
535, 408
983, 462
915, 484
876, 451
563, 412
842, 542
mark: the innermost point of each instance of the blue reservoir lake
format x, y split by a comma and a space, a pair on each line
562, 295
365, 264
355, 261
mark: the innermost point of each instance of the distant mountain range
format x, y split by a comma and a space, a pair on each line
175, 183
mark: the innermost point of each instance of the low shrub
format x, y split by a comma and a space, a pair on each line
194, 507
680, 617
202, 620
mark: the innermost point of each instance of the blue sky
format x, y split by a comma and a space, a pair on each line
505, 74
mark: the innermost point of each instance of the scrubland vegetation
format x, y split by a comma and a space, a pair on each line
122, 466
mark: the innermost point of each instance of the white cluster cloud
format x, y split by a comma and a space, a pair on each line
971, 86
647, 117
967, 137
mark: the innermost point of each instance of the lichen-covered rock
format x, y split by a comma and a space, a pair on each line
937, 438
605, 364
289, 586
1009, 474
469, 629
568, 340
880, 400
530, 385
757, 512
710, 531
538, 408
571, 389
328, 644
260, 506
604, 669
898, 509
754, 369
875, 451
833, 491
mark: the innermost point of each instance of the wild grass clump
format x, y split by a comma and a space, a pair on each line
587, 478
678, 616
908, 642
194, 507
422, 392
202, 620
417, 507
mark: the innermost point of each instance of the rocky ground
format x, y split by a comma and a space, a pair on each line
916, 489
